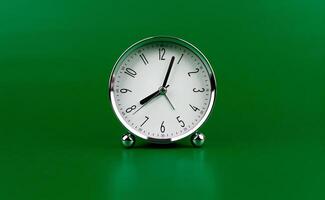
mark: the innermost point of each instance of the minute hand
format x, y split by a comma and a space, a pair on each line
168, 71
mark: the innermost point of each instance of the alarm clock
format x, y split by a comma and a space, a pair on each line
162, 89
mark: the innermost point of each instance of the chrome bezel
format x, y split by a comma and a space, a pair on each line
185, 44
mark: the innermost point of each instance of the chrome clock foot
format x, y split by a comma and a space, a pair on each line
198, 139
128, 140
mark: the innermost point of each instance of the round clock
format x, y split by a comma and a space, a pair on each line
162, 89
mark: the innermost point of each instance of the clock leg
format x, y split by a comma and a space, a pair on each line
128, 140
198, 139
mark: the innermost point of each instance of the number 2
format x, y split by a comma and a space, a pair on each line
161, 53
194, 72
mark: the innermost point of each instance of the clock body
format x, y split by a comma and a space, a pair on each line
162, 89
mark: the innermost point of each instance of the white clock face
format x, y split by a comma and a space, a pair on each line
162, 90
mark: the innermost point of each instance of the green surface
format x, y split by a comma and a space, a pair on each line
60, 140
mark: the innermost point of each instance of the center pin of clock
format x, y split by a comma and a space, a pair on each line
162, 90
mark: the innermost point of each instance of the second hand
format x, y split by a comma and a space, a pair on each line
169, 102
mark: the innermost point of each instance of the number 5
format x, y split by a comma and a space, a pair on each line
180, 121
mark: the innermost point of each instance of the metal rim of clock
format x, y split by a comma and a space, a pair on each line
181, 42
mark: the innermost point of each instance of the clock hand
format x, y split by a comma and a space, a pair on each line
140, 108
169, 101
151, 96
168, 71
148, 98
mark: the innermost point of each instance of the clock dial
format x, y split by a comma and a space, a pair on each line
161, 89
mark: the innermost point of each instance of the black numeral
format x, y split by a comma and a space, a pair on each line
180, 121
128, 110
145, 120
180, 58
123, 90
144, 59
130, 72
197, 90
161, 53
162, 127
196, 71
194, 108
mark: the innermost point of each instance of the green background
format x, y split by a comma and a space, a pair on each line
59, 138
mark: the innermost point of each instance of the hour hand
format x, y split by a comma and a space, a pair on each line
161, 90
148, 98
144, 101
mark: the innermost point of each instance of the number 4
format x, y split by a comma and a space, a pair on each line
194, 108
